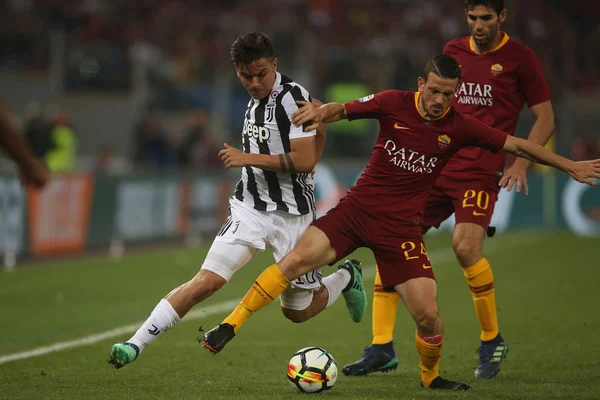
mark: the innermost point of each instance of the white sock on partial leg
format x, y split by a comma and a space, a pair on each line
162, 318
335, 283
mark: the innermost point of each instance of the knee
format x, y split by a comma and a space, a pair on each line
204, 285
296, 316
428, 321
467, 252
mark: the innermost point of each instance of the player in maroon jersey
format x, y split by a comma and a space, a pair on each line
419, 132
499, 76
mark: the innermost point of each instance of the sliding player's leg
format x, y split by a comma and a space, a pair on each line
239, 239
299, 304
179, 301
312, 250
310, 294
330, 238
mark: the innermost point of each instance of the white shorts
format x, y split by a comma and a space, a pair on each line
248, 231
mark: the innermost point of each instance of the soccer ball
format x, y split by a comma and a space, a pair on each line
312, 370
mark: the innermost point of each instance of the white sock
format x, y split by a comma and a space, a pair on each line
162, 318
335, 283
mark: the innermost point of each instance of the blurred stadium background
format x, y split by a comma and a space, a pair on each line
146, 91
146, 95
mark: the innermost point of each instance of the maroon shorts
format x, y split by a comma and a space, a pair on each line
400, 253
471, 201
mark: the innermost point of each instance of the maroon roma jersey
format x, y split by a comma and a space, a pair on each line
409, 154
494, 88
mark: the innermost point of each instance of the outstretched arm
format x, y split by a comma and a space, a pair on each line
540, 133
32, 170
581, 171
326, 113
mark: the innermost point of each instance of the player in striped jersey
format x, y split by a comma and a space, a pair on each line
273, 204
281, 185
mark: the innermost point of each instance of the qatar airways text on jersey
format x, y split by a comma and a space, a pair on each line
474, 94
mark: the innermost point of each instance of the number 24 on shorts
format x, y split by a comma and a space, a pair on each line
479, 199
411, 252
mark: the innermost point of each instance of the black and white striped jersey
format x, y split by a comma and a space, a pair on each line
268, 129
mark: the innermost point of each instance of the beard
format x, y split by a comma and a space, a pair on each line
487, 39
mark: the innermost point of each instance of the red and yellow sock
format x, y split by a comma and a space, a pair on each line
430, 351
269, 285
385, 306
481, 282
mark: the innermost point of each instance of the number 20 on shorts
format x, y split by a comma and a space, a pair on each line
479, 199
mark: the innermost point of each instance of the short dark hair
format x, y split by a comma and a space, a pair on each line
442, 65
250, 47
496, 5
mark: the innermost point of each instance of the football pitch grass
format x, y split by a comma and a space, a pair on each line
547, 298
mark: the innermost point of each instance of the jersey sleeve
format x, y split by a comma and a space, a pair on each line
482, 135
288, 102
447, 49
531, 79
453, 47
371, 106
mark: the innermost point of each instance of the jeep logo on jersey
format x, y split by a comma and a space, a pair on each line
410, 160
260, 133
474, 94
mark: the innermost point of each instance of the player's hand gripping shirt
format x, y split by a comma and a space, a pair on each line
494, 88
409, 154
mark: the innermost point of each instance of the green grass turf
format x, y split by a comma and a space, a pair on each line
546, 295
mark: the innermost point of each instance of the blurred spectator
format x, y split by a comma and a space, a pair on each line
23, 36
188, 41
198, 149
153, 149
349, 139
107, 162
104, 156
62, 155
174, 53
